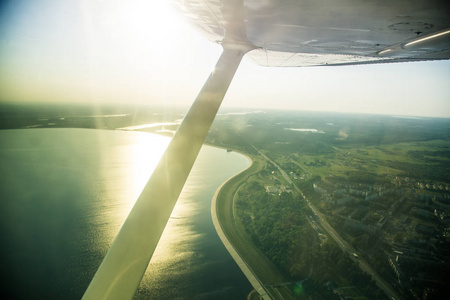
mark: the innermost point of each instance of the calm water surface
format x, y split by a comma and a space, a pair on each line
64, 195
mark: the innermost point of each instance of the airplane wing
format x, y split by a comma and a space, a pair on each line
278, 33
331, 32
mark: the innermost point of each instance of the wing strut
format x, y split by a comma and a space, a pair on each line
126, 261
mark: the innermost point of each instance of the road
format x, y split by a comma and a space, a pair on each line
256, 267
286, 177
251, 276
337, 238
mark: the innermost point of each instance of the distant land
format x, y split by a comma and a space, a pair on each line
335, 206
345, 206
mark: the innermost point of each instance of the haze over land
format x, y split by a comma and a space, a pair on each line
375, 186
346, 200
142, 52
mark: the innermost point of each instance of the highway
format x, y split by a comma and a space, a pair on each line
337, 238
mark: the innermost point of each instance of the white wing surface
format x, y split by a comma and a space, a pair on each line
331, 32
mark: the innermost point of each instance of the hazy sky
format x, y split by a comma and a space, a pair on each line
140, 51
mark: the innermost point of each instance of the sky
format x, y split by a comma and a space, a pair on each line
142, 51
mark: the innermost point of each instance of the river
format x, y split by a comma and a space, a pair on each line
66, 192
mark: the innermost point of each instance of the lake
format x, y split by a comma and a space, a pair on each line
65, 194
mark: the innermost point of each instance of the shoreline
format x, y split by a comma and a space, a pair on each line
252, 278
248, 273
243, 266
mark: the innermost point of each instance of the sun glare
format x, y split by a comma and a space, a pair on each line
137, 157
153, 24
145, 154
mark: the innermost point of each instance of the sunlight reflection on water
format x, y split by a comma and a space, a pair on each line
190, 261
66, 193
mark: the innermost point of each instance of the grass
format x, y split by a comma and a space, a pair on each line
373, 159
266, 272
